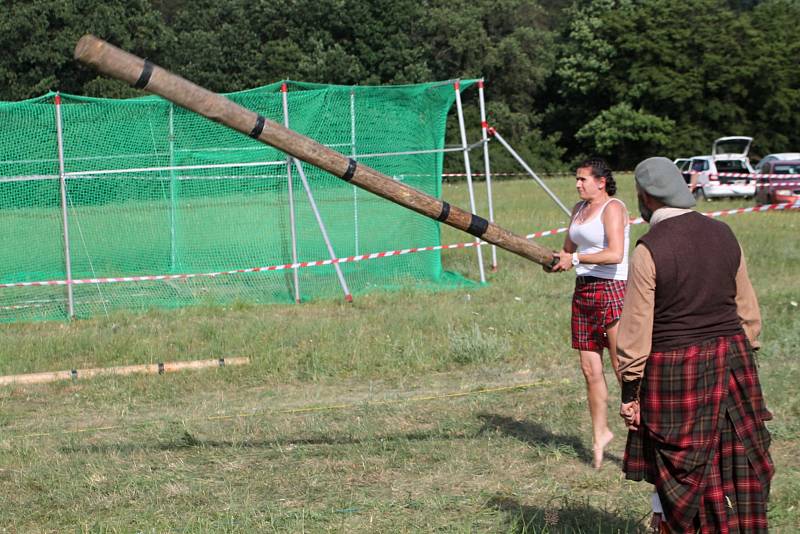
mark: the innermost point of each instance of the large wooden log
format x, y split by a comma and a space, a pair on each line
142, 74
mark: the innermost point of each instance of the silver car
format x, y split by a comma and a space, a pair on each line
781, 156
724, 173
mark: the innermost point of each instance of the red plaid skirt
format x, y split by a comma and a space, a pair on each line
702, 439
595, 305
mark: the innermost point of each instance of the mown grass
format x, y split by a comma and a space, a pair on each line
378, 416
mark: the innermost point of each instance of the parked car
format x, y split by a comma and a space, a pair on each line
772, 188
728, 155
683, 164
785, 156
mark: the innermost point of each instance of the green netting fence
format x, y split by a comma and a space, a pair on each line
153, 190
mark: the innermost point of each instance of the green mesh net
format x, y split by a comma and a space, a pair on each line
153, 190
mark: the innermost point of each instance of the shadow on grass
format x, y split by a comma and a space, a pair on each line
186, 440
537, 435
564, 517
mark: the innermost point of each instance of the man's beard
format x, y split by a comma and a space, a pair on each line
644, 211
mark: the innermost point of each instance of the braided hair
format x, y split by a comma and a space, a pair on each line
600, 169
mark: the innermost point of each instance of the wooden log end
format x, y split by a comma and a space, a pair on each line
88, 47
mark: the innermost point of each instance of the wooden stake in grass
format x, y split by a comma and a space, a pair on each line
150, 369
142, 74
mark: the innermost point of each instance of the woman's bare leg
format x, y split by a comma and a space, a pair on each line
597, 393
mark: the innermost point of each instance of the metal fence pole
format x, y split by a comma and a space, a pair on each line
347, 296
486, 165
173, 184
353, 154
65, 224
292, 223
468, 168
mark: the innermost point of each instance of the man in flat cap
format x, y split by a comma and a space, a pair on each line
691, 397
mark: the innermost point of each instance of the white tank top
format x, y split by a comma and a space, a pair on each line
590, 237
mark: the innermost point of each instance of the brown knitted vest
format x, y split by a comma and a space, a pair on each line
696, 260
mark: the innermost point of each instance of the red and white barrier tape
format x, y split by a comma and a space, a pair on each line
148, 278
779, 184
724, 174
350, 259
747, 174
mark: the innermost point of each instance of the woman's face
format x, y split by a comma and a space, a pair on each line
587, 185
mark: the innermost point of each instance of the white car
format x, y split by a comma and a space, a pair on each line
782, 156
728, 157
683, 164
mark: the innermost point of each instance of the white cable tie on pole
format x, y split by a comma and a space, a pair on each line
465, 147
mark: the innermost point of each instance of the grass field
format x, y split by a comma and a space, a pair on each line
457, 411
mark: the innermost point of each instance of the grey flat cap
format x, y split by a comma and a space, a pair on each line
661, 179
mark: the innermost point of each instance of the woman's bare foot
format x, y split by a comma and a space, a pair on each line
599, 447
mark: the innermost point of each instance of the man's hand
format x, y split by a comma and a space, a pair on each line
629, 411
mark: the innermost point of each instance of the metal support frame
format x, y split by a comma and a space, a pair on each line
291, 199
486, 165
465, 146
299, 165
173, 169
64, 219
173, 194
353, 154
530, 171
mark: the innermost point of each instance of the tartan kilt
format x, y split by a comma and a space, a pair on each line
595, 305
702, 440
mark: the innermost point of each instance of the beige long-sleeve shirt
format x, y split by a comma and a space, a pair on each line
635, 332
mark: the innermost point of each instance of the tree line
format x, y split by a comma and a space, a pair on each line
565, 79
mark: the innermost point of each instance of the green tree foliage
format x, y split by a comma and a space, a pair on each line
688, 61
697, 64
626, 133
38, 38
775, 104
565, 78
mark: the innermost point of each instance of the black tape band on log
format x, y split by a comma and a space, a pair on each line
258, 128
477, 226
144, 77
444, 213
351, 170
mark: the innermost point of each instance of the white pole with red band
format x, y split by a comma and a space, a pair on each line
290, 191
486, 164
468, 169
